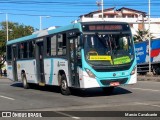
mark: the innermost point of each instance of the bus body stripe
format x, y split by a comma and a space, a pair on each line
51, 73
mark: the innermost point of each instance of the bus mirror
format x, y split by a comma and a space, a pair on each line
5, 58
80, 42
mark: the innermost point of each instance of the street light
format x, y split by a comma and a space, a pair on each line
6, 24
102, 9
40, 25
100, 3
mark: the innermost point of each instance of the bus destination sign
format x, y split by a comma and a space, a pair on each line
111, 27
105, 27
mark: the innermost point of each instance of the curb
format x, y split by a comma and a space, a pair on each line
149, 78
1, 77
139, 78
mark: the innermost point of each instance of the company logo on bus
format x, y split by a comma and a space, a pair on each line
114, 74
18, 66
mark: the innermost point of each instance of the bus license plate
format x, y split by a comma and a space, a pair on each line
114, 84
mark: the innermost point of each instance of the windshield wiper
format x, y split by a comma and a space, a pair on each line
100, 39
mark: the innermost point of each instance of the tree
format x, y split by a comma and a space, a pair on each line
142, 35
15, 30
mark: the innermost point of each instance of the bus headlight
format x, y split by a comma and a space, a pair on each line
90, 73
133, 71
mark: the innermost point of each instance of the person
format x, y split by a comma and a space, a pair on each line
5, 72
1, 72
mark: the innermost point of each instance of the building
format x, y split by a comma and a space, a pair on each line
138, 20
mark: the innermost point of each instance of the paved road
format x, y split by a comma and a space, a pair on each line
149, 78
143, 96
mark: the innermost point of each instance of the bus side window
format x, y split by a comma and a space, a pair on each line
62, 44
31, 49
9, 53
53, 45
21, 50
64, 51
48, 46
25, 55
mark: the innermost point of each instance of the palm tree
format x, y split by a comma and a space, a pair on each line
142, 35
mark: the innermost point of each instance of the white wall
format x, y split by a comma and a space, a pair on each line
154, 24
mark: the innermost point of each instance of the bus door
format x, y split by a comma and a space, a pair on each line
14, 63
40, 63
72, 54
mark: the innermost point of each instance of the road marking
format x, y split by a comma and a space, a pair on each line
148, 104
146, 89
4, 84
68, 115
84, 107
76, 118
9, 98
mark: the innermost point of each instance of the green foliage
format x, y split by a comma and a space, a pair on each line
15, 30
142, 35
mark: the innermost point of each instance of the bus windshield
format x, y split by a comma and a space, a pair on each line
108, 49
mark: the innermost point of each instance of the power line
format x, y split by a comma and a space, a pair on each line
39, 15
57, 4
31, 10
49, 15
77, 3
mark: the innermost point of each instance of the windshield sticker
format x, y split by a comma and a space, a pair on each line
121, 60
99, 57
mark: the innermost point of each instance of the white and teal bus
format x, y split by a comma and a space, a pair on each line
81, 55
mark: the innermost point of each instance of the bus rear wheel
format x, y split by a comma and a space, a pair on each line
64, 86
24, 80
108, 90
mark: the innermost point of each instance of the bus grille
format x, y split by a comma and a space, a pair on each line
107, 82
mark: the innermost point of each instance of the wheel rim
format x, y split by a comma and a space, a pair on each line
64, 85
24, 82
154, 71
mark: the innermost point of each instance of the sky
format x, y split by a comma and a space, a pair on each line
63, 12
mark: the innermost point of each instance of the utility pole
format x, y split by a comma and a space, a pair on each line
98, 4
102, 9
40, 21
7, 25
143, 22
149, 9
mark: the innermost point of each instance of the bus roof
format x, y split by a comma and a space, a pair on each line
45, 32
60, 29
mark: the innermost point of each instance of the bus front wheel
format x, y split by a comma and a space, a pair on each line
24, 80
64, 86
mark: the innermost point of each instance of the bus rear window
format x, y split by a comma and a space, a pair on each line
9, 53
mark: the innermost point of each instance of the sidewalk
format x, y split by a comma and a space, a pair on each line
139, 78
3, 77
148, 78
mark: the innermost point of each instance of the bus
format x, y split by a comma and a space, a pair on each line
81, 55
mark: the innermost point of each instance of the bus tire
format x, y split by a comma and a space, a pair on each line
156, 70
108, 90
64, 86
24, 81
143, 73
